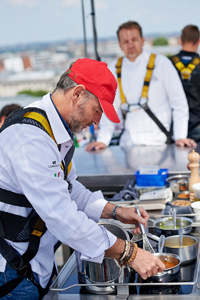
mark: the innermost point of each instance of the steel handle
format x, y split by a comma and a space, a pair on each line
161, 243
141, 225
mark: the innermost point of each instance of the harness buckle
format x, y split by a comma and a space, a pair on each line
186, 74
37, 232
125, 107
143, 102
16, 263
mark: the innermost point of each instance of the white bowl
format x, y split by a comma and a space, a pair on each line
196, 188
196, 208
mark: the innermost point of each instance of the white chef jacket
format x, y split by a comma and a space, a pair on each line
166, 97
30, 165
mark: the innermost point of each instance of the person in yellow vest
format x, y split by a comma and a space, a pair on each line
42, 202
150, 96
187, 64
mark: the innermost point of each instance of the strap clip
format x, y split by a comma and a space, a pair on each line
143, 102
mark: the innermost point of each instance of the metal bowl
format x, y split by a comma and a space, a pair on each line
109, 271
189, 250
168, 274
136, 238
178, 183
165, 226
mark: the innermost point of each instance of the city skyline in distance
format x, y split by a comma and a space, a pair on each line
47, 21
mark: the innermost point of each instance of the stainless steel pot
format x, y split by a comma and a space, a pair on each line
136, 238
168, 274
109, 271
178, 183
165, 226
189, 249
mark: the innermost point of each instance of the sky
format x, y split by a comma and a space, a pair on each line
27, 21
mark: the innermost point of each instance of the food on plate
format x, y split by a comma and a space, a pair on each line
181, 203
184, 195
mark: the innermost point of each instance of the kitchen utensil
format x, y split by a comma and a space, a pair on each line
161, 243
109, 271
170, 273
187, 253
174, 216
136, 238
196, 189
165, 225
181, 235
196, 208
146, 244
178, 183
189, 249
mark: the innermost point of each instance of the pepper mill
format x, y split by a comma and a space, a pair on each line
193, 158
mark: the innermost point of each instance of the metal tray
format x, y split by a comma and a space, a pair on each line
70, 268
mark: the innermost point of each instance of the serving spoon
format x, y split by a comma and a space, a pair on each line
181, 235
161, 243
174, 216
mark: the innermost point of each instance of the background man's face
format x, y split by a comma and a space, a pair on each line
131, 43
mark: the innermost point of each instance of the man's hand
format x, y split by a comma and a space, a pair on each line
128, 215
95, 146
186, 142
146, 264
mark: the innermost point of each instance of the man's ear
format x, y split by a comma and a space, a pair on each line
78, 90
2, 120
180, 42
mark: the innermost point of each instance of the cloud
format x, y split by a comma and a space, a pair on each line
71, 2
26, 3
101, 5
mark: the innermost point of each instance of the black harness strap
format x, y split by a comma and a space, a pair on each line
14, 198
21, 263
160, 125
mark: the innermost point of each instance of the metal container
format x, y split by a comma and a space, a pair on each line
165, 226
178, 183
168, 274
109, 271
136, 238
186, 253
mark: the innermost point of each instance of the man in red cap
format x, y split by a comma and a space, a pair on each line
41, 200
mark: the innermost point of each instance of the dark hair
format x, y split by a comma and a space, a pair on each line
190, 34
130, 25
6, 110
65, 82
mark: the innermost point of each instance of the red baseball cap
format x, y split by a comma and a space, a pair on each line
98, 80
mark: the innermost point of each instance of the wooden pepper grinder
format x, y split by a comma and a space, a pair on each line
193, 158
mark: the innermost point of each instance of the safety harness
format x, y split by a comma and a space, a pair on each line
24, 229
125, 107
185, 70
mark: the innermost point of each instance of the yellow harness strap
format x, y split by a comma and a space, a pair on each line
185, 71
118, 71
149, 72
43, 121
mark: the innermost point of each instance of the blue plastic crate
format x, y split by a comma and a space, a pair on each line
151, 179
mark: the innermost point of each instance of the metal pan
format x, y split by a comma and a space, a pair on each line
165, 226
168, 274
189, 249
109, 271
